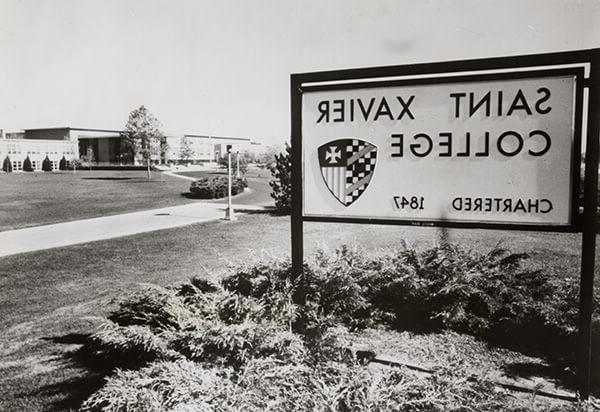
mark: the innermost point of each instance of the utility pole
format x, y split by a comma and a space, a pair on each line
237, 170
229, 214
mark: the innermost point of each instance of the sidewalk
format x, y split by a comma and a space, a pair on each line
88, 230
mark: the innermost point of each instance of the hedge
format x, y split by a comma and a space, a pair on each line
215, 187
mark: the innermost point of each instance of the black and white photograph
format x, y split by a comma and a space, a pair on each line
320, 205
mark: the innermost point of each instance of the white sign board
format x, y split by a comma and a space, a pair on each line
493, 151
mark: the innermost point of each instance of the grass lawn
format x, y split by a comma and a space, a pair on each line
30, 199
51, 299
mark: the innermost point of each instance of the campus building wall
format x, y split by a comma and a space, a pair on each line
37, 150
206, 148
108, 147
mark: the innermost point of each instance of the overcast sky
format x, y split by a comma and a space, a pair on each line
222, 67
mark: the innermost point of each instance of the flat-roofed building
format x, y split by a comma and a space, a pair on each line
204, 148
108, 147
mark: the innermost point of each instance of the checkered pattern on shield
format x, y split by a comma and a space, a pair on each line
347, 166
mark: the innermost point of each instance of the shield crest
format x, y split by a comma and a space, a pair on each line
347, 166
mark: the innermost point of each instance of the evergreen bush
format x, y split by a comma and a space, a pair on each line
62, 165
215, 187
282, 185
264, 339
46, 164
7, 165
27, 167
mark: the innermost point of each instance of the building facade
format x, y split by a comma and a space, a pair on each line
104, 147
202, 148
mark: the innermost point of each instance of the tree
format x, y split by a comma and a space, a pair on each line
75, 163
223, 162
62, 165
282, 185
143, 133
89, 157
7, 165
186, 152
266, 159
46, 164
27, 167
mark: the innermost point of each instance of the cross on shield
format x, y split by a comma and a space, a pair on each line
347, 166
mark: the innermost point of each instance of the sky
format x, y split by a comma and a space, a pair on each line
222, 67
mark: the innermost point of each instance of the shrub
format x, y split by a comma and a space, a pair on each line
158, 308
27, 167
267, 340
282, 185
62, 165
266, 384
130, 346
215, 187
7, 165
46, 164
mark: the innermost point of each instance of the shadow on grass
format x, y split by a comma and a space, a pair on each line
109, 178
532, 369
72, 392
268, 210
560, 371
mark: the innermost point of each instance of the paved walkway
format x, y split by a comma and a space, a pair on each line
88, 230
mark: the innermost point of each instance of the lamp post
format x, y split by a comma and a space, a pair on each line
237, 170
229, 214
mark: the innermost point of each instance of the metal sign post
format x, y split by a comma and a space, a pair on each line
588, 247
494, 144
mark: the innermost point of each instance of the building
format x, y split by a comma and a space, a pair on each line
203, 148
107, 147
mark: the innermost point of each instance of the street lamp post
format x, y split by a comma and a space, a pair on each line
229, 214
237, 170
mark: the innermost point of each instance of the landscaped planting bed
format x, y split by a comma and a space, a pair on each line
261, 339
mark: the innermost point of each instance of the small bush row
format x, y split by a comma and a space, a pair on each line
28, 167
215, 187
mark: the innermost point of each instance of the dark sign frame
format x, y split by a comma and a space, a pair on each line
576, 63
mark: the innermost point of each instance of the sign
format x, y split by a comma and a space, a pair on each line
496, 151
484, 143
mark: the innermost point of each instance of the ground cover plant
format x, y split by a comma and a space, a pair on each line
262, 339
216, 187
